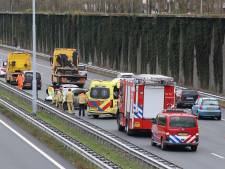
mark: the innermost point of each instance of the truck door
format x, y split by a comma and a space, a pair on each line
169, 98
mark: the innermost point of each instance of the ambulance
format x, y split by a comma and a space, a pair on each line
102, 98
141, 99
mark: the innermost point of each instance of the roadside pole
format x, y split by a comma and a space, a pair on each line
34, 84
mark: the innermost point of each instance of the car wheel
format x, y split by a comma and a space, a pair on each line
163, 145
96, 116
152, 141
219, 118
198, 115
120, 127
194, 148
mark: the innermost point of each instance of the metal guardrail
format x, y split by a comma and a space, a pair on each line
139, 153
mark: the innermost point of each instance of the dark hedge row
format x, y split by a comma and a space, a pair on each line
166, 45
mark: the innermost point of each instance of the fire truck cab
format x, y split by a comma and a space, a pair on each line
141, 99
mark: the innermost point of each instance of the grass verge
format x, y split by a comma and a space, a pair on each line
109, 152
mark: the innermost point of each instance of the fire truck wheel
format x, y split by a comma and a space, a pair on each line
96, 116
120, 127
128, 131
162, 146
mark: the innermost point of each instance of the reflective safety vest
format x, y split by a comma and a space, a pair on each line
82, 98
51, 91
69, 96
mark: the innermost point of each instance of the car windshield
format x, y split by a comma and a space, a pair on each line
77, 92
100, 93
126, 76
184, 122
30, 75
210, 102
81, 68
189, 92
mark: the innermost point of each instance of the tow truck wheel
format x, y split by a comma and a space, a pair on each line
96, 116
162, 146
120, 127
194, 148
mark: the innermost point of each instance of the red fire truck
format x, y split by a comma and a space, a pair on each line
141, 99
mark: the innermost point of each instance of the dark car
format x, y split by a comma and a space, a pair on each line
186, 98
28, 79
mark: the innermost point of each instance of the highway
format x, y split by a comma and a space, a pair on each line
19, 150
210, 153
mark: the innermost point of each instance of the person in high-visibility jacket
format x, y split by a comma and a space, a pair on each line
55, 98
60, 99
69, 100
20, 79
82, 100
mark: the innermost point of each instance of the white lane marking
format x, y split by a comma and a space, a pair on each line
33, 146
217, 155
48, 67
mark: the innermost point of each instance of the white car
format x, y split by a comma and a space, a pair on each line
125, 75
65, 88
82, 70
2, 72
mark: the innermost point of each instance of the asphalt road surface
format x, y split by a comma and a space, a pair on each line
19, 150
211, 150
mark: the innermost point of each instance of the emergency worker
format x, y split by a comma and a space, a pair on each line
55, 99
69, 100
82, 100
60, 99
50, 91
20, 80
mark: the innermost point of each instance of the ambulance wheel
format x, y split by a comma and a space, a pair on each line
163, 146
127, 130
120, 127
96, 116
194, 148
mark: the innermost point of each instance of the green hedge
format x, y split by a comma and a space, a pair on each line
129, 43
